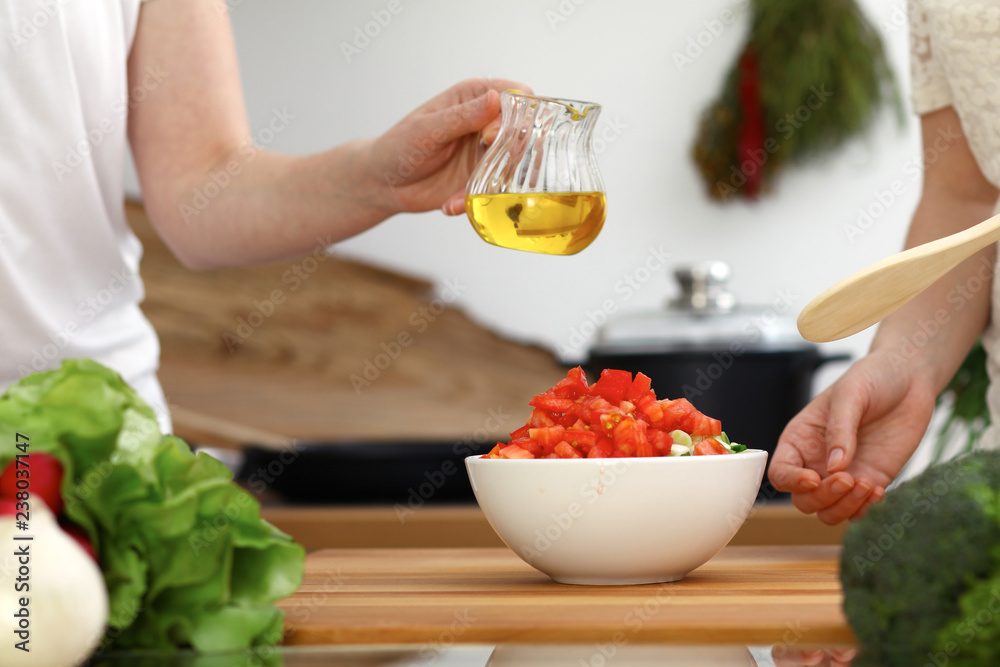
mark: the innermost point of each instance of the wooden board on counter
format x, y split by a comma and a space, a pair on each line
745, 595
773, 523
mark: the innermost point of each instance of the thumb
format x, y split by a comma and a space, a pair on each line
847, 407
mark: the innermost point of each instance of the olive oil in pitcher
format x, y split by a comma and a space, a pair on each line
554, 223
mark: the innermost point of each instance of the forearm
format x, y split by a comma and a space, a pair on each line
254, 206
932, 333
219, 201
214, 197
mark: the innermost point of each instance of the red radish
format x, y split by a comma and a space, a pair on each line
8, 506
80, 537
44, 480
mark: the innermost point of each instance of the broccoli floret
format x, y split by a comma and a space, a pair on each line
906, 566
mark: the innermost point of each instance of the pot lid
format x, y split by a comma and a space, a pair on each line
705, 314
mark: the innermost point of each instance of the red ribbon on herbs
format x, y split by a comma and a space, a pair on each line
738, 150
750, 151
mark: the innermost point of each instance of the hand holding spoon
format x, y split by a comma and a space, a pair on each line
875, 292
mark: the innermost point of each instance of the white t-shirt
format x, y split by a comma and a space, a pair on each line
69, 283
955, 60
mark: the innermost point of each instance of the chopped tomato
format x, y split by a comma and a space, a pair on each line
652, 409
675, 414
592, 407
612, 385
709, 446
578, 437
565, 420
617, 416
661, 442
572, 386
552, 403
515, 452
626, 437
702, 425
680, 414
604, 446
641, 387
643, 446
608, 422
540, 418
548, 436
520, 433
566, 451
529, 445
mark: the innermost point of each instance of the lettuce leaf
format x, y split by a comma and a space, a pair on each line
186, 556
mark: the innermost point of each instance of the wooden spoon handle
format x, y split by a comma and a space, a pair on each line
875, 292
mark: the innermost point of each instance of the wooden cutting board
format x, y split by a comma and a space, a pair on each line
745, 595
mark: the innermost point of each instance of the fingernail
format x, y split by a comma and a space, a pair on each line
863, 487
840, 487
810, 484
836, 456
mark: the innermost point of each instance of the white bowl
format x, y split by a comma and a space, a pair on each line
617, 521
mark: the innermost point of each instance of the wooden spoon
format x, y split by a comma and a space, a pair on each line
875, 292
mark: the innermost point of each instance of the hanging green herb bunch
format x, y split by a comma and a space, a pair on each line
811, 75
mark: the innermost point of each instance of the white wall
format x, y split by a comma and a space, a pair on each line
620, 54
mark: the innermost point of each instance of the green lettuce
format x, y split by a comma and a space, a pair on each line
187, 559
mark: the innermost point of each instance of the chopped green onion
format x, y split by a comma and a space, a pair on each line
681, 438
738, 448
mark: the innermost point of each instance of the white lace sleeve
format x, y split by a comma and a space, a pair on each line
930, 90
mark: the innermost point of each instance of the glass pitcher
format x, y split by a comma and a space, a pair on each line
537, 188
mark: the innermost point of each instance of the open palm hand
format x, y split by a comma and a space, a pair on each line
838, 455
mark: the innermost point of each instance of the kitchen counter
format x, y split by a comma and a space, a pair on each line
745, 595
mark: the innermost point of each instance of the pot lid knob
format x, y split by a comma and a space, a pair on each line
703, 288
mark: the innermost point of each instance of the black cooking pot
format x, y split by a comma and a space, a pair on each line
746, 366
